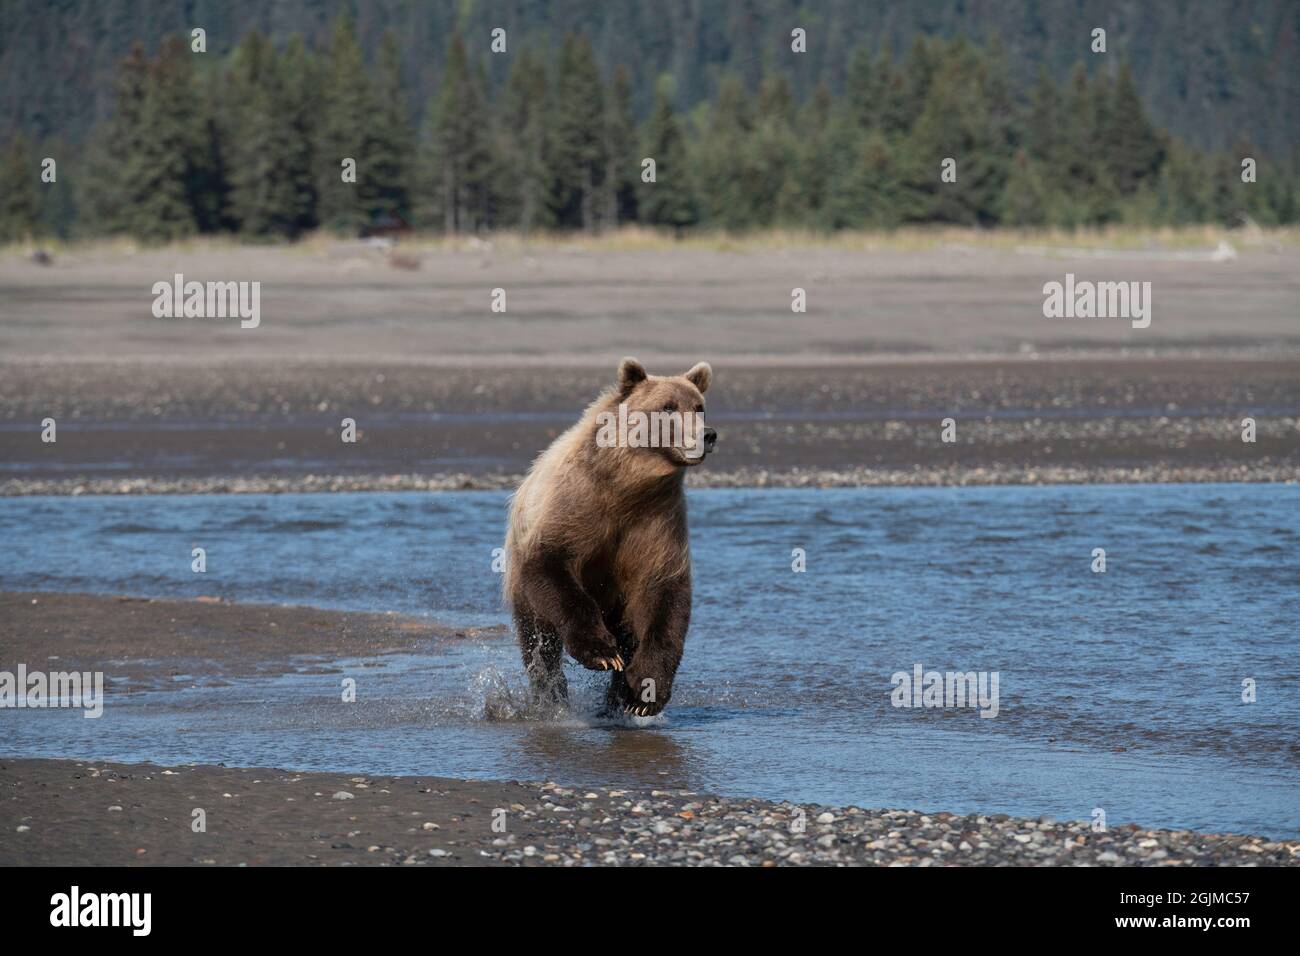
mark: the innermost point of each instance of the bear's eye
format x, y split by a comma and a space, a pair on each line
670, 407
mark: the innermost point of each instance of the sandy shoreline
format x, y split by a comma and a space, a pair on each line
92, 812
144, 644
345, 301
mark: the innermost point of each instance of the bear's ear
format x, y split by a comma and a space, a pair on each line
630, 372
700, 375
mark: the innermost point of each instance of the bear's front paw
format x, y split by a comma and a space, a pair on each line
596, 652
648, 694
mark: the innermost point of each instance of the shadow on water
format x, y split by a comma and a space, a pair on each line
609, 751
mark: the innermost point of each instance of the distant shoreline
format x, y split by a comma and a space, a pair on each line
138, 428
858, 478
635, 238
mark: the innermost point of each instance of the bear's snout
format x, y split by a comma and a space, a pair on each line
710, 438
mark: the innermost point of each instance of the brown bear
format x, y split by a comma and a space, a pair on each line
597, 558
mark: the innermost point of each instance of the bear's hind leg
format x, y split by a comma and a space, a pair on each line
618, 696
543, 661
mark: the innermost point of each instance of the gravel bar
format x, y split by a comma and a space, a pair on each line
80, 813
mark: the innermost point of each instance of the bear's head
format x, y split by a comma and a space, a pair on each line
660, 418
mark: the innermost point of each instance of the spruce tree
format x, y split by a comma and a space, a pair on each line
57, 200
1043, 121
264, 190
895, 112
669, 200
723, 160
880, 188
866, 188
531, 178
1133, 146
104, 194
1104, 199
956, 123
774, 155
20, 202
298, 110
1078, 196
580, 134
842, 207
812, 174
392, 150
158, 173
210, 189
348, 112
489, 206
1183, 188
426, 191
1025, 199
619, 186
460, 143
917, 75
864, 89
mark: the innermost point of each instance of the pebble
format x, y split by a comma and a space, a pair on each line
743, 476
657, 827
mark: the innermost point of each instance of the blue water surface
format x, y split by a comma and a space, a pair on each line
1121, 690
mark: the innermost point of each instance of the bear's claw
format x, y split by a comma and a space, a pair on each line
645, 710
605, 663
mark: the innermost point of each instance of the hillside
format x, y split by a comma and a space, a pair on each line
1208, 70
